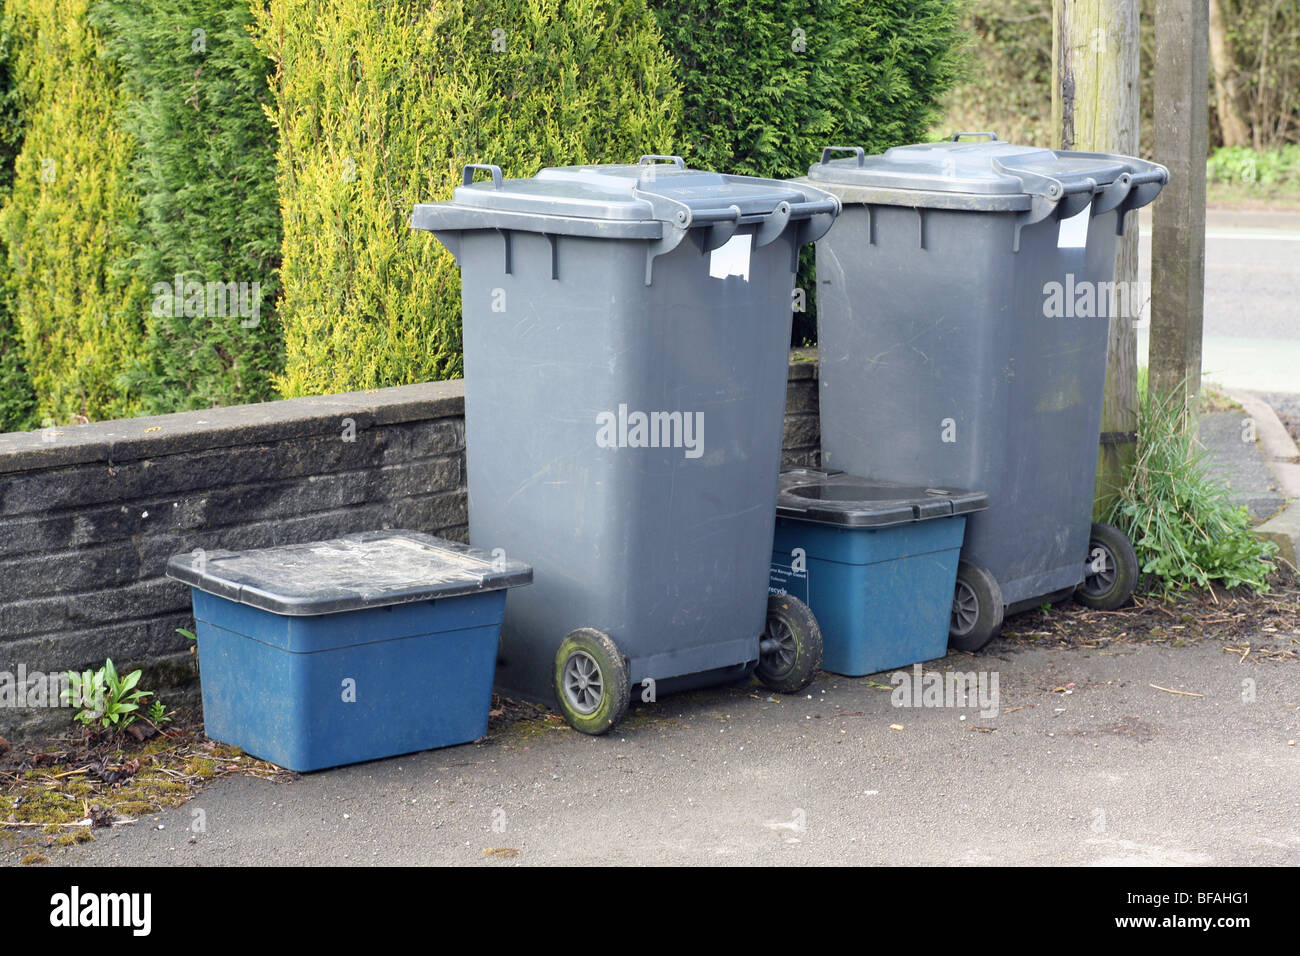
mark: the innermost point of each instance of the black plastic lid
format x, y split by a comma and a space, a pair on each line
832, 497
370, 569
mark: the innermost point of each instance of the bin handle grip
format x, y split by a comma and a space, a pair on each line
487, 168
991, 135
814, 207
649, 158
857, 151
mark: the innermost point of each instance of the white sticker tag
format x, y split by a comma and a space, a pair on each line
1074, 231
731, 258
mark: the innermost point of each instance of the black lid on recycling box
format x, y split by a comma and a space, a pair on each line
357, 571
832, 497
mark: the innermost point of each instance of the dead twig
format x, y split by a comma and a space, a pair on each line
77, 823
1170, 690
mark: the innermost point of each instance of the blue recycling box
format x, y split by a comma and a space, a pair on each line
876, 561
333, 652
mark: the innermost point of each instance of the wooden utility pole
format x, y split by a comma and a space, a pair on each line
1095, 64
1182, 66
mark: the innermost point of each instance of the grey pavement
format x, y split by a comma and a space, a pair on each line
1240, 464
1114, 772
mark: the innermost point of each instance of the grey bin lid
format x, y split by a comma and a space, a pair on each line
371, 569
832, 497
649, 199
614, 192
987, 174
620, 200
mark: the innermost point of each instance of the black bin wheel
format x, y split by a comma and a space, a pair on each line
591, 681
977, 608
790, 650
1112, 570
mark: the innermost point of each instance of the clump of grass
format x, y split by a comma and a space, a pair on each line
1182, 524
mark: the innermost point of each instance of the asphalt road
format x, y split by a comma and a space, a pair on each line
1252, 311
1114, 772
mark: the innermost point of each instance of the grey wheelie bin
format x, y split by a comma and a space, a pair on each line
626, 336
963, 307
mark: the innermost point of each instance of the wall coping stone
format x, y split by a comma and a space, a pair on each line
134, 439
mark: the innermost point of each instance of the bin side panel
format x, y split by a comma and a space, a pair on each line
375, 698
663, 548
891, 611
943, 365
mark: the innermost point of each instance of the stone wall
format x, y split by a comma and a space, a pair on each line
90, 514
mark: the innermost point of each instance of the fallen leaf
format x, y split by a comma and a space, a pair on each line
141, 731
100, 816
508, 852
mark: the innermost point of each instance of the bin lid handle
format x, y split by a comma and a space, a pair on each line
497, 178
857, 151
986, 133
649, 158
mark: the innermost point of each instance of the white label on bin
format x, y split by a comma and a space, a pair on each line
731, 258
1074, 231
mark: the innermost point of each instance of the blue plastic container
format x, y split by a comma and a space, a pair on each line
875, 561
334, 652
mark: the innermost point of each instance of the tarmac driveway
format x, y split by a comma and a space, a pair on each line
1085, 763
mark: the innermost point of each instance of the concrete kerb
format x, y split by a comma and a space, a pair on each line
1283, 529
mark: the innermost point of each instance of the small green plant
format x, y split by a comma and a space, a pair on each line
105, 697
158, 713
183, 632
1183, 526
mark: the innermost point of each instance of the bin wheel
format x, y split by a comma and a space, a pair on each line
1112, 570
977, 608
591, 681
790, 650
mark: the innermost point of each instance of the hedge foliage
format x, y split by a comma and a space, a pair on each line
768, 83
17, 401
68, 221
204, 171
146, 142
378, 106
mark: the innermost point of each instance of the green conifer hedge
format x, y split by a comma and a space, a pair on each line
767, 83
208, 243
69, 219
379, 105
17, 401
